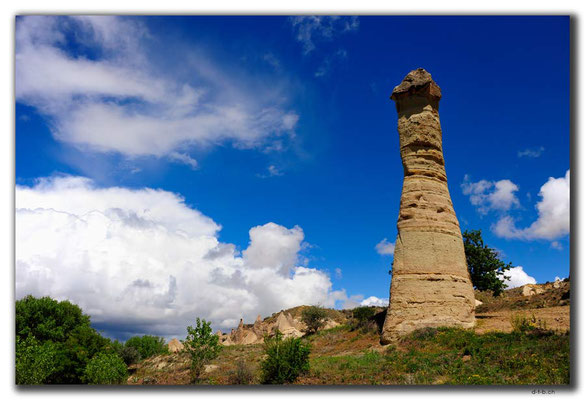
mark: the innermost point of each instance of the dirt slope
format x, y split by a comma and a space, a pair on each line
549, 306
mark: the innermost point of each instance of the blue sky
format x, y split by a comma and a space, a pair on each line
258, 120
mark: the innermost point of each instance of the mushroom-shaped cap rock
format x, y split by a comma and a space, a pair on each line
418, 81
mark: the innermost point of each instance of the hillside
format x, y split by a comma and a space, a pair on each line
548, 303
492, 354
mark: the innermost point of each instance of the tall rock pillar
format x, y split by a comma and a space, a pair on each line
431, 286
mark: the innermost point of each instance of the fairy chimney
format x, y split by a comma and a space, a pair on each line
175, 346
431, 286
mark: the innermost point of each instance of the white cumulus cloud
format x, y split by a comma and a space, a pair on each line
273, 246
385, 248
142, 261
553, 219
375, 301
491, 195
518, 277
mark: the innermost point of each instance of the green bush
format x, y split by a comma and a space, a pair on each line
60, 329
129, 354
362, 317
35, 362
521, 323
524, 324
424, 333
148, 345
105, 369
314, 318
202, 345
285, 359
115, 346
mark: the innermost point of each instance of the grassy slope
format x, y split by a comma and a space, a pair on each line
451, 356
444, 356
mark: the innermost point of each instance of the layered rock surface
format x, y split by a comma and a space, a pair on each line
430, 285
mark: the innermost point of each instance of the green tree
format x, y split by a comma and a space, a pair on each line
61, 327
82, 345
115, 346
314, 318
148, 345
285, 359
485, 268
202, 345
47, 319
105, 369
35, 362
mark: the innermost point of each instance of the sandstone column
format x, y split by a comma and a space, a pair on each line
431, 286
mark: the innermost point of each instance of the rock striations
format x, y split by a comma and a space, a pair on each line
430, 285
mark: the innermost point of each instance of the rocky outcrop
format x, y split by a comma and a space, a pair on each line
175, 346
224, 338
430, 285
288, 326
259, 328
254, 334
531, 290
329, 323
240, 333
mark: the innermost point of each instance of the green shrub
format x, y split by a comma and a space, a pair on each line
115, 346
105, 369
285, 359
242, 375
35, 362
314, 318
148, 345
362, 317
202, 345
524, 324
129, 354
424, 333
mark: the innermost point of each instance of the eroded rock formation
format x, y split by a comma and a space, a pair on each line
531, 290
254, 334
175, 346
430, 285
